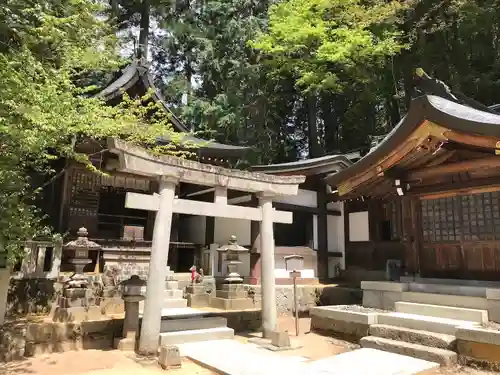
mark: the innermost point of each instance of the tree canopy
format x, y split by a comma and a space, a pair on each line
290, 78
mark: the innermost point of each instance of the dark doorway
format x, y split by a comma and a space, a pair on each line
185, 259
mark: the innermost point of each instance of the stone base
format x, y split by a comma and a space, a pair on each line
112, 306
233, 303
267, 343
169, 357
77, 314
350, 331
198, 300
126, 344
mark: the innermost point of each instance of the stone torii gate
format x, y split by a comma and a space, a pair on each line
169, 171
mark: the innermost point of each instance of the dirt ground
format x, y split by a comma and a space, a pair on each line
113, 362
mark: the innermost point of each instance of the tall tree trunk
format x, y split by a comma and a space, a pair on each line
142, 52
4, 288
314, 145
331, 126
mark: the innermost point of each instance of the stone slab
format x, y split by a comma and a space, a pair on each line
385, 286
346, 330
370, 361
232, 303
456, 290
231, 294
477, 334
414, 336
493, 294
175, 325
199, 300
268, 344
330, 312
450, 312
172, 285
208, 334
487, 354
446, 300
196, 289
424, 323
180, 313
442, 356
235, 358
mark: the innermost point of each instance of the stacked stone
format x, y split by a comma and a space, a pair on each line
233, 297
76, 305
173, 295
197, 296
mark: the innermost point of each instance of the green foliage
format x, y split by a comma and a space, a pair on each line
47, 49
325, 43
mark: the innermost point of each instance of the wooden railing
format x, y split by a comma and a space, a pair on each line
42, 259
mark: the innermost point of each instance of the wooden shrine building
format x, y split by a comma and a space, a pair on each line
428, 195
81, 198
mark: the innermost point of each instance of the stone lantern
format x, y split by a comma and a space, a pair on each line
80, 259
132, 294
233, 252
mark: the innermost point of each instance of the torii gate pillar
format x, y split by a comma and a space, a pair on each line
268, 281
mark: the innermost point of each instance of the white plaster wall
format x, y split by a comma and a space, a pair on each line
309, 271
305, 198
225, 228
359, 227
336, 236
196, 228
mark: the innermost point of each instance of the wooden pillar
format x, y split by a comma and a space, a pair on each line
322, 230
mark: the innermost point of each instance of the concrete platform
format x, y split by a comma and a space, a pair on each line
449, 312
193, 323
424, 323
431, 339
442, 356
445, 300
208, 334
179, 313
368, 361
235, 358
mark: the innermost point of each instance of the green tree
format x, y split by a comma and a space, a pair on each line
48, 49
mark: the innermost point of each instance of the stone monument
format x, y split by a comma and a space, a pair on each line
132, 294
233, 295
78, 301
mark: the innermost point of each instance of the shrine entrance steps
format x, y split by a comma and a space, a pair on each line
187, 325
422, 330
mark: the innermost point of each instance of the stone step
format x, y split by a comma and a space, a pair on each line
432, 339
442, 356
424, 323
182, 337
174, 293
175, 325
439, 311
171, 285
446, 300
169, 303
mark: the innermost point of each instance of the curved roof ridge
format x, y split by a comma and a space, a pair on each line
436, 109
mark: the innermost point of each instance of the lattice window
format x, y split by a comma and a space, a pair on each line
468, 218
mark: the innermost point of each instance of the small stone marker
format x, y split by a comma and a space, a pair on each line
169, 357
281, 339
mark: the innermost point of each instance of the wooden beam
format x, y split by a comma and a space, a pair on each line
463, 166
187, 207
471, 139
296, 208
482, 185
